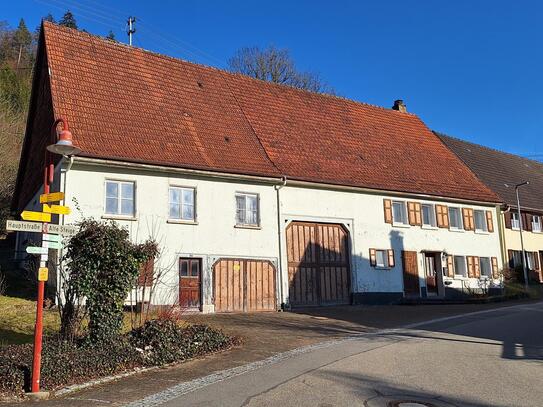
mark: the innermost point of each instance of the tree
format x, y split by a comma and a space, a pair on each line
49, 17
68, 20
277, 66
111, 36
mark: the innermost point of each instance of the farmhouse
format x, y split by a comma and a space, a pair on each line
261, 196
502, 172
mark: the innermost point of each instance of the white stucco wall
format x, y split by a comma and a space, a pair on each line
214, 234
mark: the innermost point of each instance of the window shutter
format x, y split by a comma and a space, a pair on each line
390, 258
145, 277
373, 258
418, 214
450, 265
442, 216
477, 266
511, 257
507, 219
489, 221
471, 267
411, 213
536, 260
471, 217
495, 273
387, 204
465, 219
527, 221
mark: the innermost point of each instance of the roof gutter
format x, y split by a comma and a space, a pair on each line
281, 180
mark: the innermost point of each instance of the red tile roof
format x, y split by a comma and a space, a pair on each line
129, 104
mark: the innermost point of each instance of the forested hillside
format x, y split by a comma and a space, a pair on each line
17, 56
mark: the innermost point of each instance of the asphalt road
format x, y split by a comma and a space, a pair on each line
490, 358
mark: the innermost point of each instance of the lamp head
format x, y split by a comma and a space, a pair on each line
64, 144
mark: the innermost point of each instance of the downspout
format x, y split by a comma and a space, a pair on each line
503, 244
279, 236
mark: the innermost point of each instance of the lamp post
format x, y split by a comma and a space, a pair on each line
524, 266
63, 146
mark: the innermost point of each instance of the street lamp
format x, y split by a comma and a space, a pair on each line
62, 145
524, 266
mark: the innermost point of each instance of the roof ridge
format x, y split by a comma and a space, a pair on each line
224, 71
440, 134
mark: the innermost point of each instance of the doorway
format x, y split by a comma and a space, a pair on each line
190, 276
430, 272
410, 274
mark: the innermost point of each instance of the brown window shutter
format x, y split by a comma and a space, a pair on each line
471, 216
511, 257
373, 258
465, 219
391, 262
445, 216
471, 267
439, 216
411, 213
477, 266
418, 214
145, 277
536, 260
387, 204
527, 221
507, 219
495, 273
442, 216
450, 265
489, 221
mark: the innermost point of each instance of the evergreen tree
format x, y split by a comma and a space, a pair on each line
68, 20
49, 17
111, 36
21, 36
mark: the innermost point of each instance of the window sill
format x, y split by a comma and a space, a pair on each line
120, 217
382, 267
482, 232
400, 225
515, 229
255, 227
429, 227
457, 230
182, 222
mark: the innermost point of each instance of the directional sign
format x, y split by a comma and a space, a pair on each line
51, 245
56, 209
37, 216
51, 238
66, 230
43, 274
20, 226
53, 197
37, 250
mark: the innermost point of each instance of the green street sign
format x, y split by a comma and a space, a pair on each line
51, 245
36, 250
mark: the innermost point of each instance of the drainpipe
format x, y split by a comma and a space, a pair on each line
279, 236
501, 232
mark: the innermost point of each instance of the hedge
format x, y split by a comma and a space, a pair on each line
156, 343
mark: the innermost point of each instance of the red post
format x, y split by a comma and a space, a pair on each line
38, 329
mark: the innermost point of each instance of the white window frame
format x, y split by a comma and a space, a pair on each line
485, 225
489, 262
181, 204
433, 219
118, 213
530, 261
384, 264
245, 195
465, 262
515, 221
460, 227
536, 229
404, 214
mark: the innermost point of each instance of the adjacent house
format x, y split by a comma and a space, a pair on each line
262, 196
502, 172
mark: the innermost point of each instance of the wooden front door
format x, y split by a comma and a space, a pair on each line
244, 285
318, 264
430, 272
190, 273
410, 273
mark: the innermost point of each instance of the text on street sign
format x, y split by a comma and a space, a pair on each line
62, 229
21, 226
56, 209
37, 250
53, 197
36, 216
51, 245
51, 238
43, 274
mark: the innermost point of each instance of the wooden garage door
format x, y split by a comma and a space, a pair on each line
241, 285
318, 264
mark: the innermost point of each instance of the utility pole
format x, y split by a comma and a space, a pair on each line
524, 259
131, 30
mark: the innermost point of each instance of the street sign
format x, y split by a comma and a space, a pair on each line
43, 274
21, 226
56, 209
51, 245
51, 238
37, 216
53, 197
37, 250
66, 230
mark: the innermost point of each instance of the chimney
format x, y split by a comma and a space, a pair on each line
400, 106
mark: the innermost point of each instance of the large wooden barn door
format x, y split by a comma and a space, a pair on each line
410, 273
318, 264
241, 285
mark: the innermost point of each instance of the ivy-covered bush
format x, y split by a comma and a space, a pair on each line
103, 265
156, 343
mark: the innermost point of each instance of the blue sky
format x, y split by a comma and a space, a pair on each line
472, 69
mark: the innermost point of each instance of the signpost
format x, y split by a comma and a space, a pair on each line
52, 197
43, 274
56, 209
20, 226
37, 250
36, 216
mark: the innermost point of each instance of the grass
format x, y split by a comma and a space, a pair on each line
17, 318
